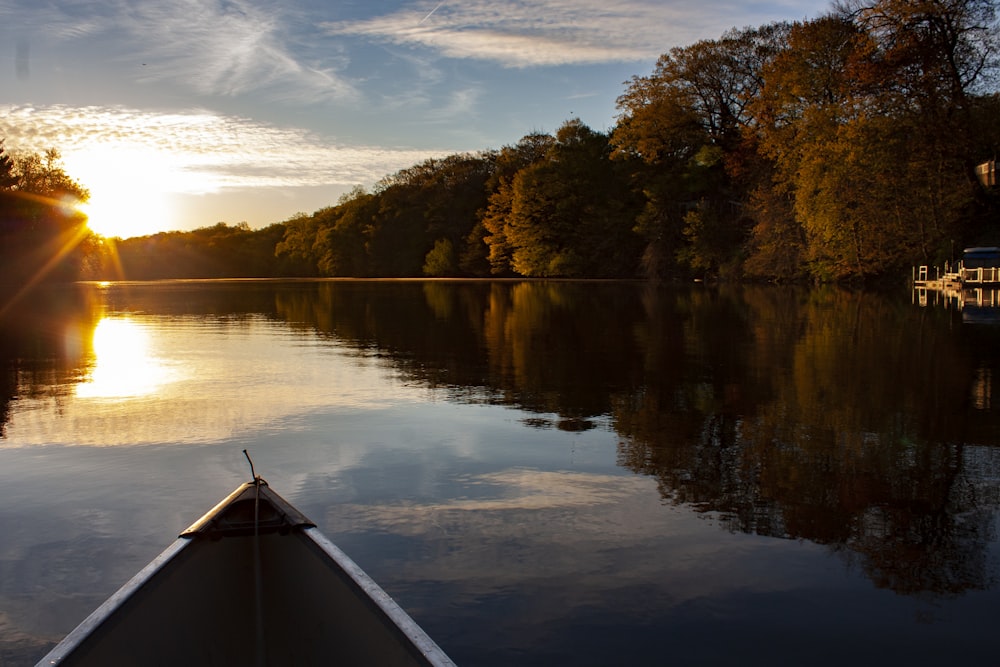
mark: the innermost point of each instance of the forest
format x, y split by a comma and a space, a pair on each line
838, 149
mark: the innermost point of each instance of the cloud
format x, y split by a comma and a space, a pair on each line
526, 33
198, 151
68, 20
210, 48
228, 48
511, 490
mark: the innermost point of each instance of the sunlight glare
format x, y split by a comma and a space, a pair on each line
124, 366
128, 191
124, 210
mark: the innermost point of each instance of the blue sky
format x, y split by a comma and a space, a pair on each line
179, 114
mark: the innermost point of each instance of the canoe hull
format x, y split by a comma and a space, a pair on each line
284, 595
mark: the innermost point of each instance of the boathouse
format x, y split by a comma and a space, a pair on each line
980, 265
987, 173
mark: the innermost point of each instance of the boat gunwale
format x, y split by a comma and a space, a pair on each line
109, 607
425, 647
415, 634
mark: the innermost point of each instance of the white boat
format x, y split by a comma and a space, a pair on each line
252, 582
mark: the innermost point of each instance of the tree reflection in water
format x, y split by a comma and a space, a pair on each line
848, 419
46, 345
837, 417
841, 421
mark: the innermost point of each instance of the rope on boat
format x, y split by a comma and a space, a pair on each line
257, 574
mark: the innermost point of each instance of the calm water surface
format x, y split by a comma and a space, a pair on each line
540, 473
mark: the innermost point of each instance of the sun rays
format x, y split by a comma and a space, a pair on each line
52, 252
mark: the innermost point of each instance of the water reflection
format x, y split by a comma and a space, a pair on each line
124, 366
44, 346
171, 363
843, 418
977, 305
850, 420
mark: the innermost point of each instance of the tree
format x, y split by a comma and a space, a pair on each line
218, 251
298, 245
938, 54
40, 225
863, 117
695, 104
7, 178
810, 96
342, 238
776, 246
438, 198
571, 213
441, 260
531, 149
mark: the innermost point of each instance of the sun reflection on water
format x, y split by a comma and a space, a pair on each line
124, 365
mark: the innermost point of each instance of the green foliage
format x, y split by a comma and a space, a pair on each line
342, 237
390, 232
219, 251
441, 260
712, 234
567, 214
298, 243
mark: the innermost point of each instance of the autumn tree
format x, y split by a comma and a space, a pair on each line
937, 55
683, 126
864, 119
808, 98
570, 213
494, 218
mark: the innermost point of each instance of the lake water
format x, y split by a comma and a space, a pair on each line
539, 472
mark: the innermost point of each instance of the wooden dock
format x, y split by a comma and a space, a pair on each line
977, 288
942, 280
962, 278
972, 286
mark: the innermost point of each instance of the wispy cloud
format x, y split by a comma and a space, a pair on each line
56, 21
227, 48
512, 490
206, 47
200, 151
526, 33
515, 34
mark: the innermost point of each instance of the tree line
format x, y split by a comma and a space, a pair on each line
841, 148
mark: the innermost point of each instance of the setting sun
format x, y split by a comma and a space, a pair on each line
128, 191
128, 213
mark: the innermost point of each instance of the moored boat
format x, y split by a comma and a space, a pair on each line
251, 582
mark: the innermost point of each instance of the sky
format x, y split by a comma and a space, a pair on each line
179, 114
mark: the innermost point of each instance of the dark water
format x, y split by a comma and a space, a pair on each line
540, 473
